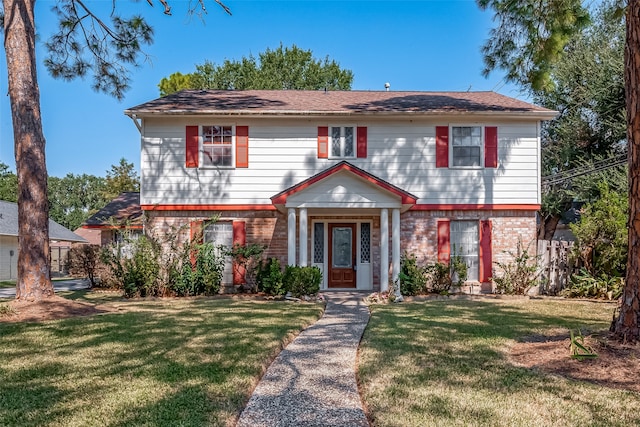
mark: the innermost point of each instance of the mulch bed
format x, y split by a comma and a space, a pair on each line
49, 309
617, 365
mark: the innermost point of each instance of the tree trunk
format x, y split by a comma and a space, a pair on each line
547, 227
627, 326
34, 281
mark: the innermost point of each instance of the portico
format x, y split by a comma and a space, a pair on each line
340, 220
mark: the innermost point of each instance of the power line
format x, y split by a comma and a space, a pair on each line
596, 167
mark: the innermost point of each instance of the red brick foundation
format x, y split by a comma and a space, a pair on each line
417, 228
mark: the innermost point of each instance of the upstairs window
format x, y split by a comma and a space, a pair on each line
466, 144
342, 141
217, 146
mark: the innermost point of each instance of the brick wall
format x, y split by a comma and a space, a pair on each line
418, 231
417, 228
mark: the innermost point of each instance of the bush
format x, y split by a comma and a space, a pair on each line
518, 276
199, 272
585, 285
302, 280
413, 278
83, 260
137, 268
601, 234
459, 270
438, 277
269, 278
247, 258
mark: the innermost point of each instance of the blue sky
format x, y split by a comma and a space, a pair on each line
413, 45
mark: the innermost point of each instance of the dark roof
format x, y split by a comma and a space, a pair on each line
123, 209
300, 102
9, 225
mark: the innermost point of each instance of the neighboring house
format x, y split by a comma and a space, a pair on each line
346, 181
107, 225
58, 236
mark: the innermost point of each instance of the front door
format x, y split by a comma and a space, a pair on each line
342, 255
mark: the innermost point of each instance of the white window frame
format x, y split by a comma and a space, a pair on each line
451, 145
202, 145
477, 248
342, 141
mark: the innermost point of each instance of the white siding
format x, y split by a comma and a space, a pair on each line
8, 262
283, 152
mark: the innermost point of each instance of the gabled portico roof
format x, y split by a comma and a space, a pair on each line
344, 185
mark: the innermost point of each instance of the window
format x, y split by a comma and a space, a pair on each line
467, 146
217, 146
220, 234
342, 141
464, 243
365, 243
318, 243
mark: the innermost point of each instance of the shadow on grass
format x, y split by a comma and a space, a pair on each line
457, 348
189, 363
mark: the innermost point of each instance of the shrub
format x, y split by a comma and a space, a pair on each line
459, 270
269, 278
518, 276
199, 271
438, 277
137, 269
601, 234
585, 285
413, 278
83, 261
302, 280
247, 258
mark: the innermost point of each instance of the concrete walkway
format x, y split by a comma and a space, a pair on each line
312, 382
58, 285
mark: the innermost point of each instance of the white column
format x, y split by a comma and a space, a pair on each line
303, 237
395, 248
384, 250
291, 236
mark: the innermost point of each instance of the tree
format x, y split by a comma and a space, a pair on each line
83, 44
541, 36
175, 83
121, 177
588, 92
282, 68
73, 198
8, 184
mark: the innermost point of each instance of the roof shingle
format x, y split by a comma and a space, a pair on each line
294, 102
123, 209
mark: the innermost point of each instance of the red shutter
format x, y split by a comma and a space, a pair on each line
191, 145
196, 238
490, 147
242, 146
362, 142
485, 251
442, 146
323, 142
444, 246
239, 238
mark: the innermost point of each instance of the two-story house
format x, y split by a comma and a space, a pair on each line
346, 181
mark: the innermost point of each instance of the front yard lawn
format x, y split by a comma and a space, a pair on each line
446, 363
7, 283
167, 362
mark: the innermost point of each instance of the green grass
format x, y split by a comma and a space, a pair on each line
444, 363
169, 362
7, 283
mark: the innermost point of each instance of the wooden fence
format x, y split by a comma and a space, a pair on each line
555, 265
